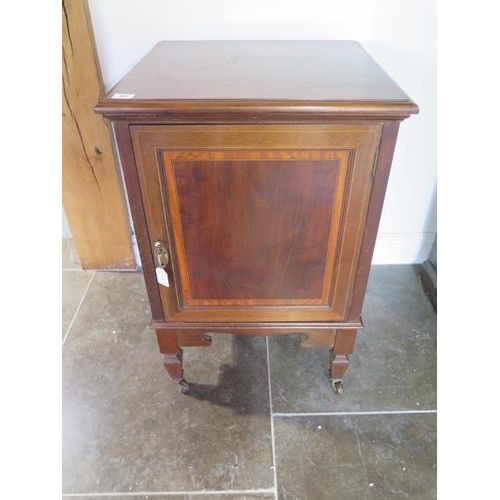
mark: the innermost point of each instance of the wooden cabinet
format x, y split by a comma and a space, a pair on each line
256, 173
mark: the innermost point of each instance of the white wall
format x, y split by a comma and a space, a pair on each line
400, 35
66, 231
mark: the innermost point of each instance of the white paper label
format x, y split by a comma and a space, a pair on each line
162, 276
122, 96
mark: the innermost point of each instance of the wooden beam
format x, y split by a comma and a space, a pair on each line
92, 194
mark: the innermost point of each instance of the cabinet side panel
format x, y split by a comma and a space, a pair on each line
383, 167
138, 216
357, 204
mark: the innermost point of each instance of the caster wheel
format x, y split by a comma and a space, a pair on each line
183, 386
338, 387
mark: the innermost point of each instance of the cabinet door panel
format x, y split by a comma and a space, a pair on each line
262, 223
253, 231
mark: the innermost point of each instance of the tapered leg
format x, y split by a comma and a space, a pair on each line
173, 365
339, 360
169, 346
338, 365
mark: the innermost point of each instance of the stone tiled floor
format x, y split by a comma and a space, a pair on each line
261, 420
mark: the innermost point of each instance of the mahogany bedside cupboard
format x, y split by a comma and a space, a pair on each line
256, 173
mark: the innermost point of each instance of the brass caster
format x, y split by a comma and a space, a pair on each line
183, 386
338, 388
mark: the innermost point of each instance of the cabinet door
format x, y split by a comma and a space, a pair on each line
262, 222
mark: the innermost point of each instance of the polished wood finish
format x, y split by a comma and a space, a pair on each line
172, 360
158, 148
382, 170
342, 346
173, 365
92, 194
338, 366
248, 80
130, 175
344, 341
252, 233
195, 334
213, 112
260, 70
261, 168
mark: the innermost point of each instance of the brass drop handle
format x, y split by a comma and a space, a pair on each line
161, 254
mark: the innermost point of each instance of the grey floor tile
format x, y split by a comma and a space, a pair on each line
260, 496
70, 258
74, 285
215, 496
127, 428
394, 363
352, 457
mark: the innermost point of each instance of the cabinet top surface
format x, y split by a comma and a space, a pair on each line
256, 71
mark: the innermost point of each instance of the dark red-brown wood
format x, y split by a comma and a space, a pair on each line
382, 170
302, 230
195, 334
137, 209
221, 81
339, 360
261, 168
172, 360
253, 230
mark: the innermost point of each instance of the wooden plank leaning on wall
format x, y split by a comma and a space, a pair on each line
92, 194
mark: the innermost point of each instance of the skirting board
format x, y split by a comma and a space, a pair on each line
428, 278
402, 248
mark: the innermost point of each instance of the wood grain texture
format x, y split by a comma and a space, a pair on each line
214, 112
353, 145
172, 360
338, 366
221, 81
344, 341
91, 189
260, 328
126, 152
304, 70
381, 178
315, 334
253, 230
230, 147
